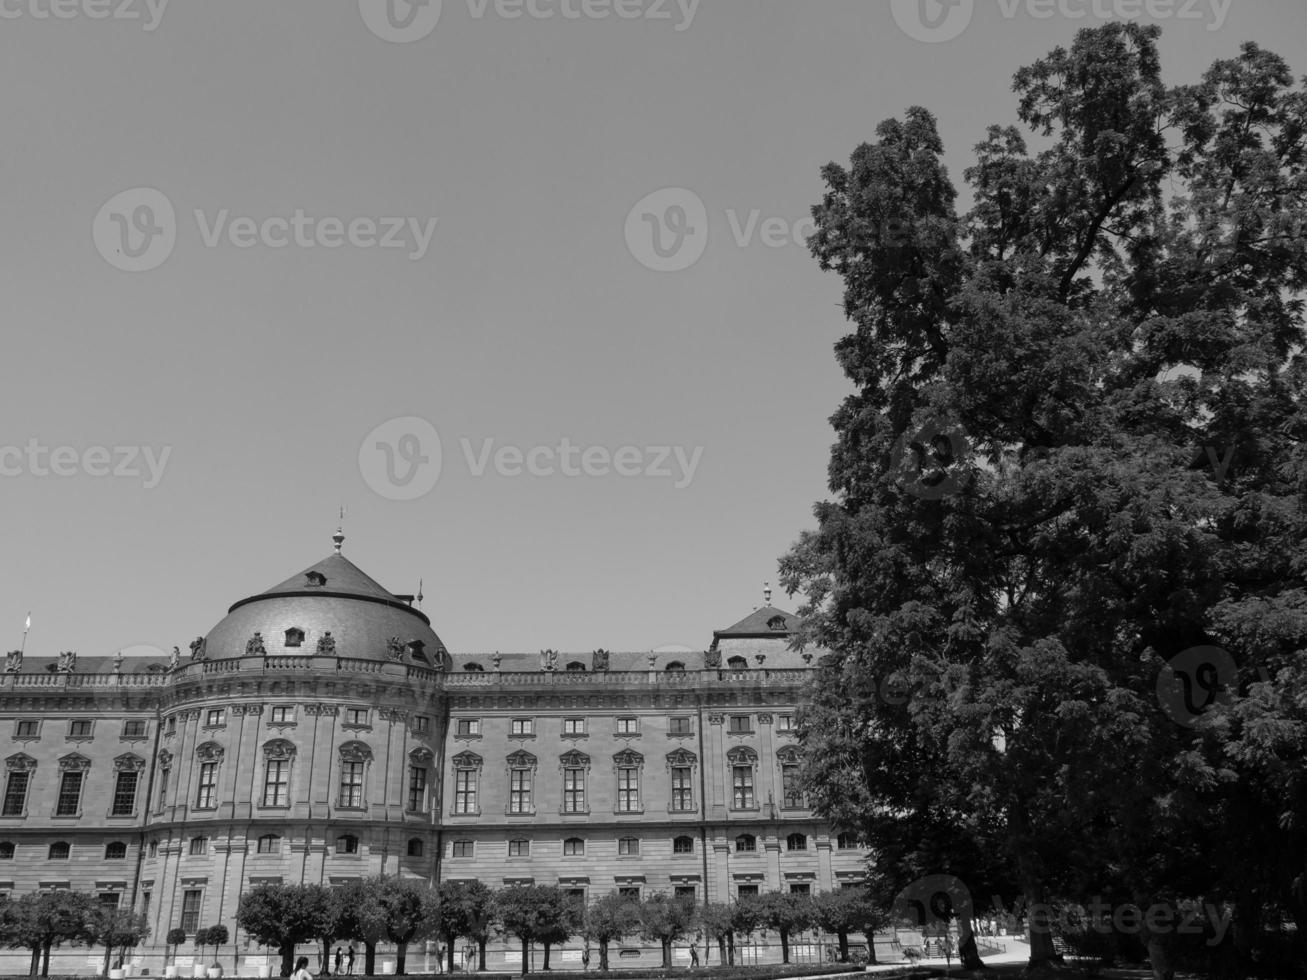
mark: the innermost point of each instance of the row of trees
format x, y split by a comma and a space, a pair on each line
402, 911
41, 921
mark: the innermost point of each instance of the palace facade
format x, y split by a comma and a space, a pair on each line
322, 731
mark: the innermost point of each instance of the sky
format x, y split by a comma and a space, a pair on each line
520, 285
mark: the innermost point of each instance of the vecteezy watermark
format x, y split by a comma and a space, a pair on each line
149, 12
922, 459
1194, 681
121, 462
933, 901
405, 21
1126, 918
401, 459
936, 21
136, 230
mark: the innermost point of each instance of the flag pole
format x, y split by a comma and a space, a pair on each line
26, 627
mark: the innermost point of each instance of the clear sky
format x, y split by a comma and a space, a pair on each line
268, 353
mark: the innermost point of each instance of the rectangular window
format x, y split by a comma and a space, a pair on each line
681, 726
124, 794
791, 791
276, 783
461, 849
199, 846
108, 900
282, 714
742, 787
573, 726
741, 723
628, 789
421, 724
628, 726
629, 892
216, 717
745, 890
191, 910
684, 892
70, 795
206, 791
465, 791
172, 725
519, 848
628, 847
27, 729
519, 791
573, 847
800, 888
351, 784
574, 790
133, 729
79, 729
145, 904
16, 793
785, 723
268, 844
468, 727
417, 787
521, 726
356, 716
682, 788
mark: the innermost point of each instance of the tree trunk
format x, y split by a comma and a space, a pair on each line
450, 943
108, 952
525, 954
545, 967
721, 950
667, 954
287, 959
603, 955
785, 945
401, 957
35, 967
45, 960
730, 948
370, 959
968, 954
843, 936
1038, 929
481, 954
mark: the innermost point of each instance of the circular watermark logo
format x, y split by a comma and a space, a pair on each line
932, 21
400, 21
667, 231
136, 229
400, 459
922, 459
1194, 681
932, 902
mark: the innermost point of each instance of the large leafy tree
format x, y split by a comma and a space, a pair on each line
608, 918
1073, 454
536, 913
664, 919
464, 909
281, 916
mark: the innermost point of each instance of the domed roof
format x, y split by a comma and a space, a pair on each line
332, 606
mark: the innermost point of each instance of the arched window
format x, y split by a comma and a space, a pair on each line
474, 667
294, 637
683, 844
737, 663
573, 847
347, 844
269, 844
675, 667
115, 851
6, 850
415, 847
59, 850
746, 842
796, 842
576, 667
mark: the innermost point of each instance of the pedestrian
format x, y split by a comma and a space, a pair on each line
694, 955
585, 959
302, 969
349, 960
339, 957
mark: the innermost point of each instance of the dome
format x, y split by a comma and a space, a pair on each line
332, 607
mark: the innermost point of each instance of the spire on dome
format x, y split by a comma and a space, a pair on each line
339, 536
766, 593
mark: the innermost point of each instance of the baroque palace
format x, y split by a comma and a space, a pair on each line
322, 731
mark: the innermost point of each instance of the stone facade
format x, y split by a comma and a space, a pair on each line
172, 786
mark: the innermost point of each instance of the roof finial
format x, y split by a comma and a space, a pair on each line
339, 536
766, 593
419, 592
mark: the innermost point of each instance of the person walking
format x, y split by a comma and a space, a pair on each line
302, 969
349, 960
585, 959
694, 955
340, 956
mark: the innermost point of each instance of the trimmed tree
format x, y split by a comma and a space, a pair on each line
847, 910
535, 913
113, 928
664, 919
786, 913
606, 919
41, 921
405, 903
217, 936
280, 916
716, 920
175, 937
463, 909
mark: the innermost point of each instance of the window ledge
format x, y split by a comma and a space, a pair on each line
629, 813
575, 735
574, 813
470, 738
67, 816
519, 813
122, 816
272, 806
79, 738
467, 813
522, 735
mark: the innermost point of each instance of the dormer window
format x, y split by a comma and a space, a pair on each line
576, 667
294, 637
418, 651
473, 667
675, 667
776, 623
315, 579
737, 663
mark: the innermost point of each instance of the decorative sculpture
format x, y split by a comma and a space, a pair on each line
67, 662
13, 661
254, 646
197, 648
548, 659
601, 659
395, 648
712, 659
175, 660
118, 662
327, 644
